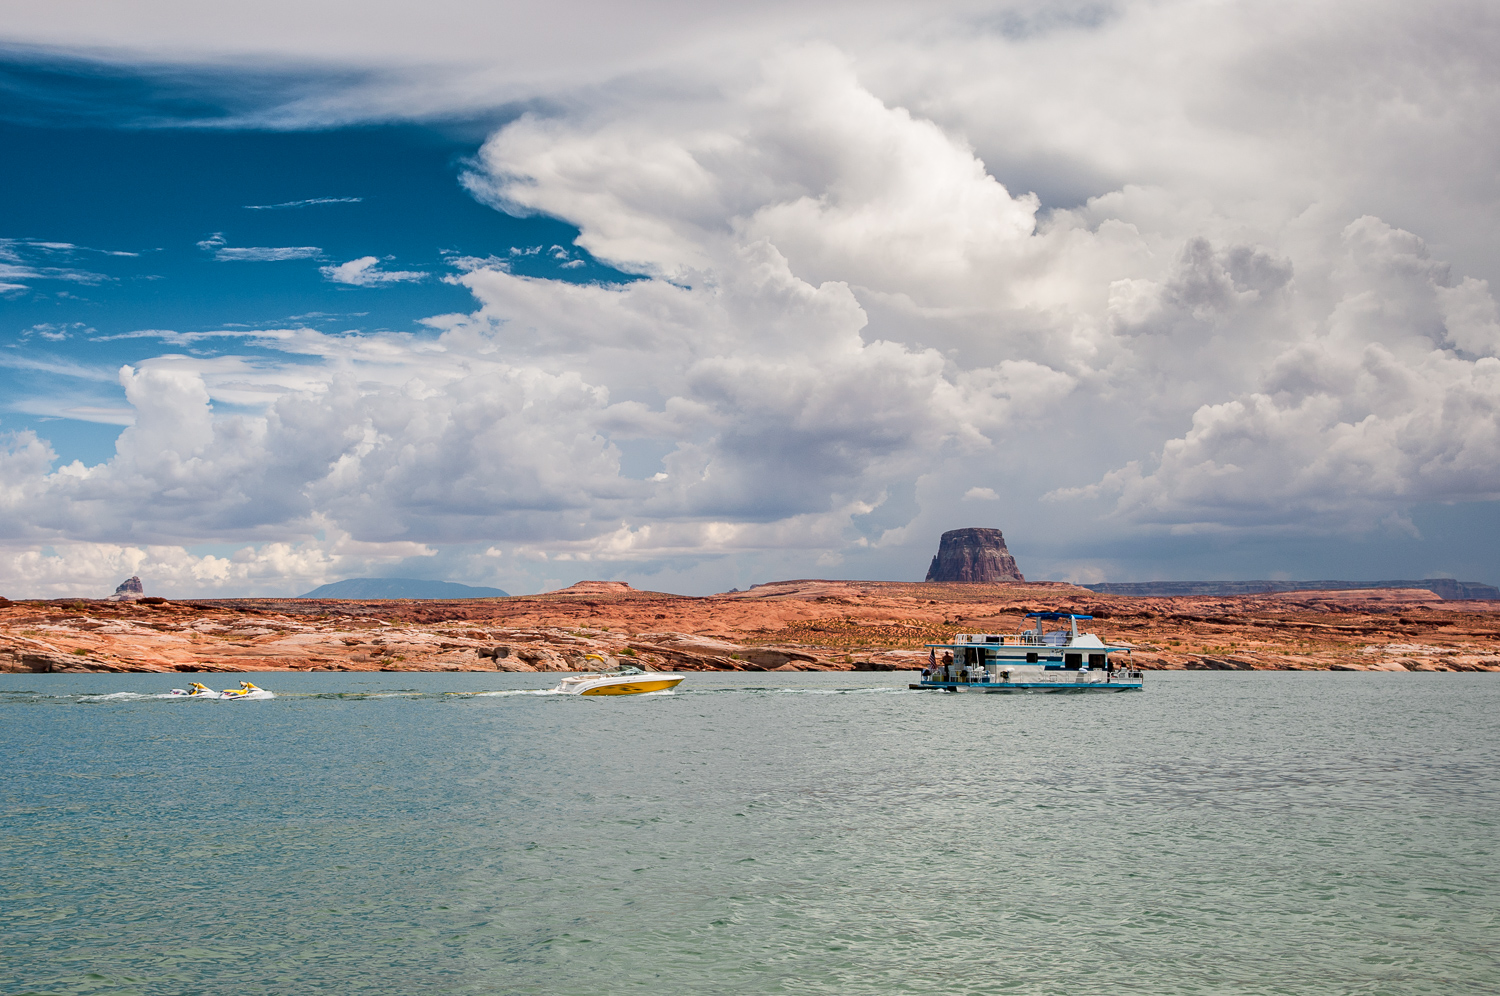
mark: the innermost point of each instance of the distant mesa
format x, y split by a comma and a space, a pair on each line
375, 588
1445, 588
595, 588
975, 556
130, 590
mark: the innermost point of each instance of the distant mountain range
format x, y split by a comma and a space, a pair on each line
1442, 587
400, 588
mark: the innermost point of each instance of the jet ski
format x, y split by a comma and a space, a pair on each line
196, 689
246, 691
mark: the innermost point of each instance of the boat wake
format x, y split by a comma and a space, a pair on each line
837, 691
260, 694
195, 692
544, 691
752, 690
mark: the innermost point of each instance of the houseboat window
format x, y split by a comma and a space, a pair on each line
1072, 661
992, 639
971, 655
1031, 658
1096, 660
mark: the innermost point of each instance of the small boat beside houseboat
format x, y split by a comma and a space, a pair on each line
1034, 660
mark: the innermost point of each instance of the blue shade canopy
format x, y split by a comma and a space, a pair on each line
1055, 615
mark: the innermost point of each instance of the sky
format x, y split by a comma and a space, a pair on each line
700, 296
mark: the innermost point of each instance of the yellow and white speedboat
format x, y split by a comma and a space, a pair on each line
626, 680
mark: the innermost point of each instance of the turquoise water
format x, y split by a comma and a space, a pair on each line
771, 833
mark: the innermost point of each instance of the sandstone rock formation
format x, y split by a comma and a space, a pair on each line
130, 589
777, 626
705, 653
973, 555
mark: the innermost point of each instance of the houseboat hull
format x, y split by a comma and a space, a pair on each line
1028, 687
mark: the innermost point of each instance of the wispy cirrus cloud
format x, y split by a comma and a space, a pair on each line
267, 254
61, 368
55, 331
10, 272
9, 248
366, 272
23, 261
49, 408
309, 202
187, 338
256, 254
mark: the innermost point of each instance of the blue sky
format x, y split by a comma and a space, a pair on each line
520, 297
113, 222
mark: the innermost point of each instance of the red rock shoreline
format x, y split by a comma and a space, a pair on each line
787, 625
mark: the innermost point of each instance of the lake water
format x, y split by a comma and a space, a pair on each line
1237, 833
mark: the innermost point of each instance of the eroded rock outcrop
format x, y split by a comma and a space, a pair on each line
806, 624
973, 555
130, 589
705, 653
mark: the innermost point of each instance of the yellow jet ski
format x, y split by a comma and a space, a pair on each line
246, 691
196, 689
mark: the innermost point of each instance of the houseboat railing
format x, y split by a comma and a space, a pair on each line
1027, 639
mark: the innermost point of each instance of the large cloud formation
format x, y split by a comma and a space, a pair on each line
1160, 267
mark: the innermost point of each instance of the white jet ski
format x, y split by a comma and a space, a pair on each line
196, 689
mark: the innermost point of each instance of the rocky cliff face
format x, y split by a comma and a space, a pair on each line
974, 555
130, 589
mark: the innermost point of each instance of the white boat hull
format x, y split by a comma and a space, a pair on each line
1025, 687
618, 684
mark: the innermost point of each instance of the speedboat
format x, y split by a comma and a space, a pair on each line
246, 691
196, 689
626, 680
1034, 660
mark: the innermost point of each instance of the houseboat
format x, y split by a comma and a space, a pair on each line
1034, 660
